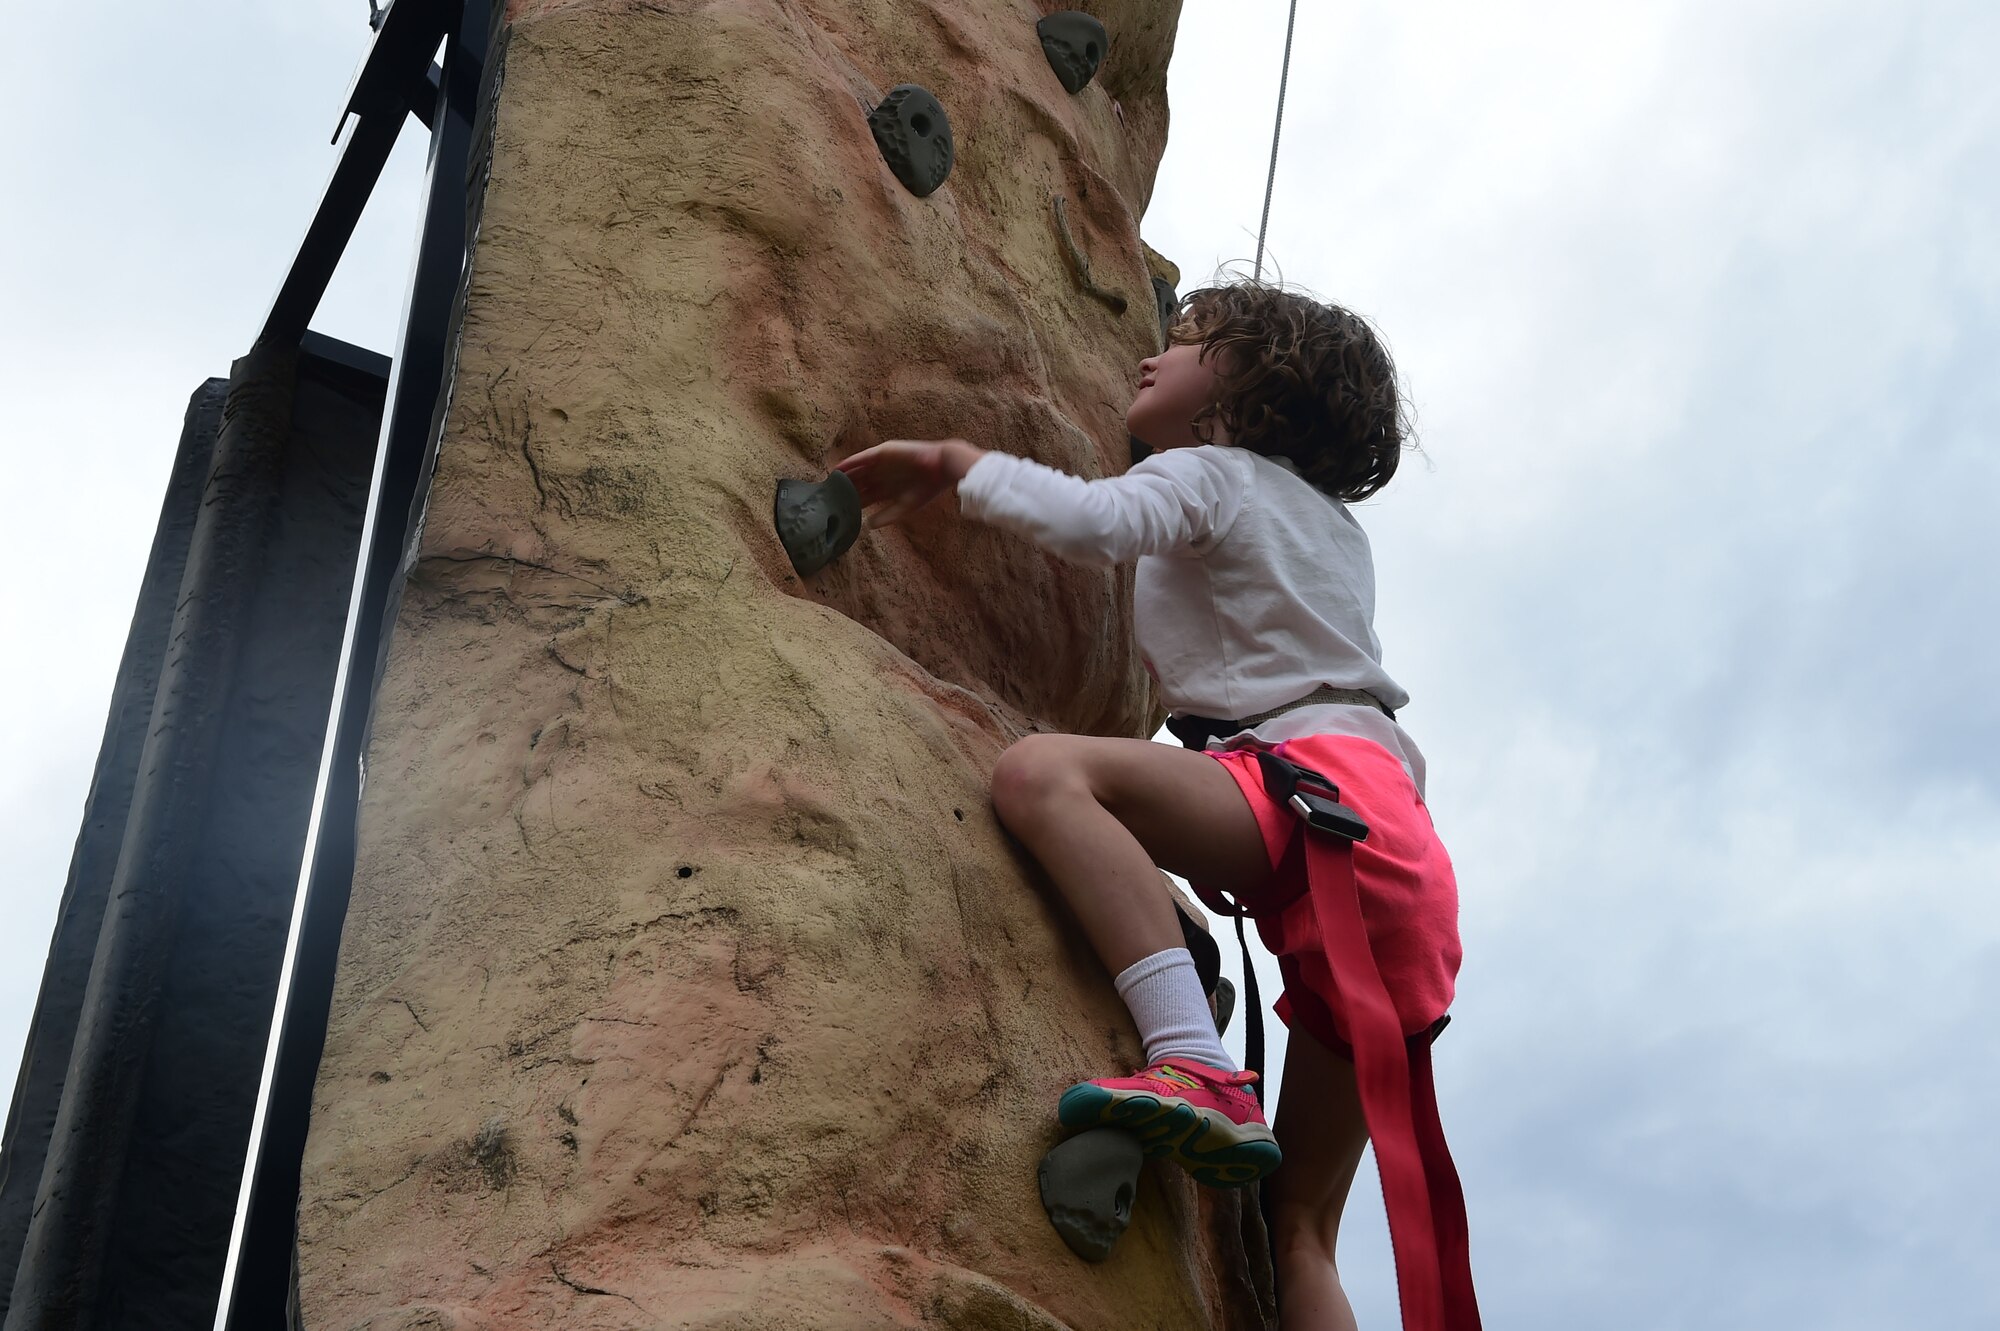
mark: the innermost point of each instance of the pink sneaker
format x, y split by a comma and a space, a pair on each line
1203, 1118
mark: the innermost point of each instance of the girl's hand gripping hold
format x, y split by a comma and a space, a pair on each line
899, 476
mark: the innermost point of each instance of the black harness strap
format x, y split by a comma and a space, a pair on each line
1194, 732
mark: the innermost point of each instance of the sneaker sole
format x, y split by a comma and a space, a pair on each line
1213, 1150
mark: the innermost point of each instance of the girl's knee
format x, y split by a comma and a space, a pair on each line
1031, 771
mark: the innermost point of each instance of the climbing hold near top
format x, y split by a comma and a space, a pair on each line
817, 522
914, 135
1087, 1186
1075, 43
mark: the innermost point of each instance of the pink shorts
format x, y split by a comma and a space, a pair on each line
1409, 895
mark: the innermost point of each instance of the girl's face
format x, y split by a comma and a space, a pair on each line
1174, 387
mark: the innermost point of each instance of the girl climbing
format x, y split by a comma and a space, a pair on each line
1269, 413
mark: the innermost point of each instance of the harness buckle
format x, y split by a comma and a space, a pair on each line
1312, 797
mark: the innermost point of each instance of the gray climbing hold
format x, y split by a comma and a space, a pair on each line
1168, 303
914, 135
1075, 44
817, 522
1225, 1004
1088, 1184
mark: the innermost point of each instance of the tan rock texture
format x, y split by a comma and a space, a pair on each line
689, 980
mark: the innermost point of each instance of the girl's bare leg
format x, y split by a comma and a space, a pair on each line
1321, 1131
1099, 814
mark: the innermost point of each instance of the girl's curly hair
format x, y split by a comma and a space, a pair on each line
1299, 379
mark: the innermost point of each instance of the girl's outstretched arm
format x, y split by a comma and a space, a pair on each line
899, 476
1179, 501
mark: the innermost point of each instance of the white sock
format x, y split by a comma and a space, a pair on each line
1164, 994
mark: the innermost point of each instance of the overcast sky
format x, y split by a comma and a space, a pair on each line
1699, 304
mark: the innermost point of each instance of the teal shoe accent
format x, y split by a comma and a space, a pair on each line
1082, 1105
1228, 1164
1159, 1125
1214, 1151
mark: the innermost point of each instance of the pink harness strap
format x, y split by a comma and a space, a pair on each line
1316, 912
1461, 1305
1420, 1187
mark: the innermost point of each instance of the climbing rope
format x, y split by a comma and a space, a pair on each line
1271, 178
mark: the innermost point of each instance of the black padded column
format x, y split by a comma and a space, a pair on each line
38, 1091
140, 1160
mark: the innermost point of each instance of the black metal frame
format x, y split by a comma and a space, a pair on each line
77, 1116
395, 80
257, 1282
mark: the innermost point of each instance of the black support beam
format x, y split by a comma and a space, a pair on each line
258, 1283
395, 78
150, 1167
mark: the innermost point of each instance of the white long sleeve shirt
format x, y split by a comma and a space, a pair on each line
1253, 588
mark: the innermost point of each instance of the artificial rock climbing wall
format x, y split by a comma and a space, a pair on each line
689, 980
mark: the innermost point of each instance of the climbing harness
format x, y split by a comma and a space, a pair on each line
1196, 731
1420, 1186
1271, 176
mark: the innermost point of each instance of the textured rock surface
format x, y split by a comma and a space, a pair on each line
688, 979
